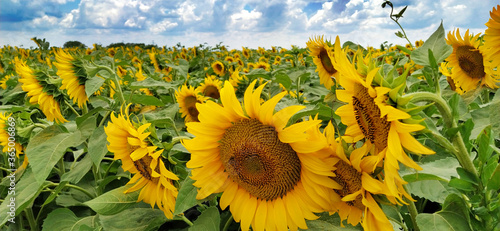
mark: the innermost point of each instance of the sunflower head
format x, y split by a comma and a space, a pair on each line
130, 145
73, 75
218, 68
322, 53
469, 62
272, 176
188, 97
210, 87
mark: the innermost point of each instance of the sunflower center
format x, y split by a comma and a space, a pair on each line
190, 102
326, 62
374, 127
350, 180
258, 161
143, 166
212, 91
470, 61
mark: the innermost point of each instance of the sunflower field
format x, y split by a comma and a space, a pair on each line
331, 136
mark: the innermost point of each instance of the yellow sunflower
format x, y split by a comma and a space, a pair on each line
355, 187
31, 85
246, 52
73, 77
129, 145
210, 87
272, 176
188, 97
322, 55
468, 62
218, 68
368, 116
263, 65
492, 37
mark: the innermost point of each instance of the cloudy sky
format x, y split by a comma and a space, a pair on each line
249, 23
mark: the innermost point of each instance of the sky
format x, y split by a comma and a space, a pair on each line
235, 24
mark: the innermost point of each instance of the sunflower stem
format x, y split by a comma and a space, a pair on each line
31, 219
396, 21
228, 223
413, 211
72, 109
184, 218
116, 80
462, 154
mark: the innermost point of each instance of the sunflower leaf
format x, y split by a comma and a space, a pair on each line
208, 220
134, 219
114, 201
437, 44
186, 197
454, 216
93, 84
65, 219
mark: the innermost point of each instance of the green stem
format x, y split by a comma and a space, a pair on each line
399, 223
62, 169
228, 223
404, 33
444, 142
85, 108
31, 219
413, 211
104, 118
462, 154
184, 218
72, 109
74, 187
116, 80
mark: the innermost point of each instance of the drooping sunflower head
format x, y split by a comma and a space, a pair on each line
492, 38
188, 97
468, 62
39, 92
210, 87
73, 76
322, 53
130, 145
264, 168
218, 68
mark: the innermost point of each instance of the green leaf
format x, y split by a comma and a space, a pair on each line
182, 67
186, 197
284, 79
485, 140
78, 171
453, 216
114, 201
461, 184
494, 182
47, 147
208, 220
87, 126
63, 219
151, 83
310, 110
97, 145
467, 176
436, 42
134, 219
442, 169
146, 100
25, 192
93, 84
432, 190
328, 222
163, 115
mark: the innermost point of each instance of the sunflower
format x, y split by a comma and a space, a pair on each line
322, 55
263, 65
36, 92
246, 52
188, 97
356, 187
210, 87
73, 76
271, 175
492, 37
468, 62
129, 145
368, 116
218, 68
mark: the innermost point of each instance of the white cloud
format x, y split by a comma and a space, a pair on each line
162, 26
45, 21
245, 20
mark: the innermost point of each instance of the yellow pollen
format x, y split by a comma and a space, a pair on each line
350, 180
470, 61
258, 161
375, 128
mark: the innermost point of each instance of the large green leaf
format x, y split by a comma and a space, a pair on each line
64, 219
186, 197
442, 169
433, 190
93, 84
24, 193
208, 220
134, 219
97, 145
47, 147
79, 170
454, 216
437, 44
113, 202
151, 83
328, 222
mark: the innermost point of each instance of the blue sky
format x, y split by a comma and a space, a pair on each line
249, 23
